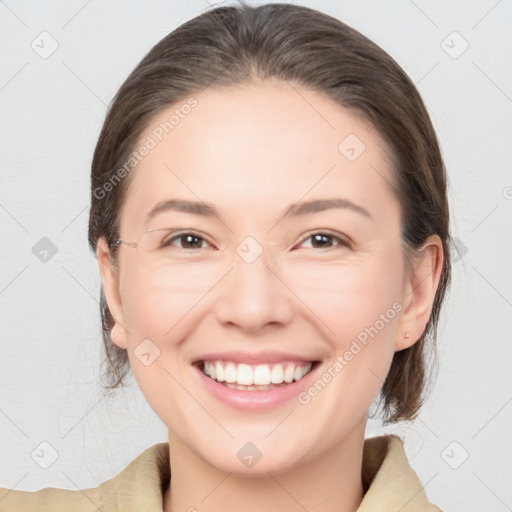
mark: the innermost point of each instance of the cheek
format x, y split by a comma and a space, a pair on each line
351, 296
359, 305
153, 308
156, 318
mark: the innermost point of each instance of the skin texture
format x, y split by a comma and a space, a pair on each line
251, 151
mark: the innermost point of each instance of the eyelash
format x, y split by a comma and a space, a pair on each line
339, 240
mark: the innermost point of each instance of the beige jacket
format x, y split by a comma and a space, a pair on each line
390, 485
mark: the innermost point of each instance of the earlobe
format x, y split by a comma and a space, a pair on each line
420, 289
110, 282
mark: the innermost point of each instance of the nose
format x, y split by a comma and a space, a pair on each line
253, 295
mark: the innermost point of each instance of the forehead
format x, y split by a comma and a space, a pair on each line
265, 143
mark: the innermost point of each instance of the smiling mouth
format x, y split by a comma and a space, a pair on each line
259, 377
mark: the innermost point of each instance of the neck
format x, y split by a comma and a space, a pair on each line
328, 483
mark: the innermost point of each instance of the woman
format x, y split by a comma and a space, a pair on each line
270, 220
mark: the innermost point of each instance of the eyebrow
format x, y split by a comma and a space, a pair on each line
294, 210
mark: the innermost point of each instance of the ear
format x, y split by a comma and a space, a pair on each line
110, 281
420, 286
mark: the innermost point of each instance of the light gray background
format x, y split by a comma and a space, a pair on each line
51, 111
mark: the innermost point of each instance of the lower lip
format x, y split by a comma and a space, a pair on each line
256, 400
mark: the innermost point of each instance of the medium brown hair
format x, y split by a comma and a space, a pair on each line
299, 45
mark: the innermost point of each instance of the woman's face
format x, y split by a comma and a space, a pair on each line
257, 282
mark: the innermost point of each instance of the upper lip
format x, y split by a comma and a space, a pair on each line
253, 358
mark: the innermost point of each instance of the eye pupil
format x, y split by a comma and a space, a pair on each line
188, 242
321, 239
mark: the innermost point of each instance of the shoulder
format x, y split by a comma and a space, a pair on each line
389, 480
139, 486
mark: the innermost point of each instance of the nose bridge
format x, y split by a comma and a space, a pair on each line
253, 295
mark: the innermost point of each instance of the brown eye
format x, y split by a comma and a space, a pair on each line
322, 240
187, 241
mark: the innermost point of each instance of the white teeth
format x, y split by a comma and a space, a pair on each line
230, 374
219, 372
277, 374
288, 373
259, 375
262, 375
244, 375
298, 373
